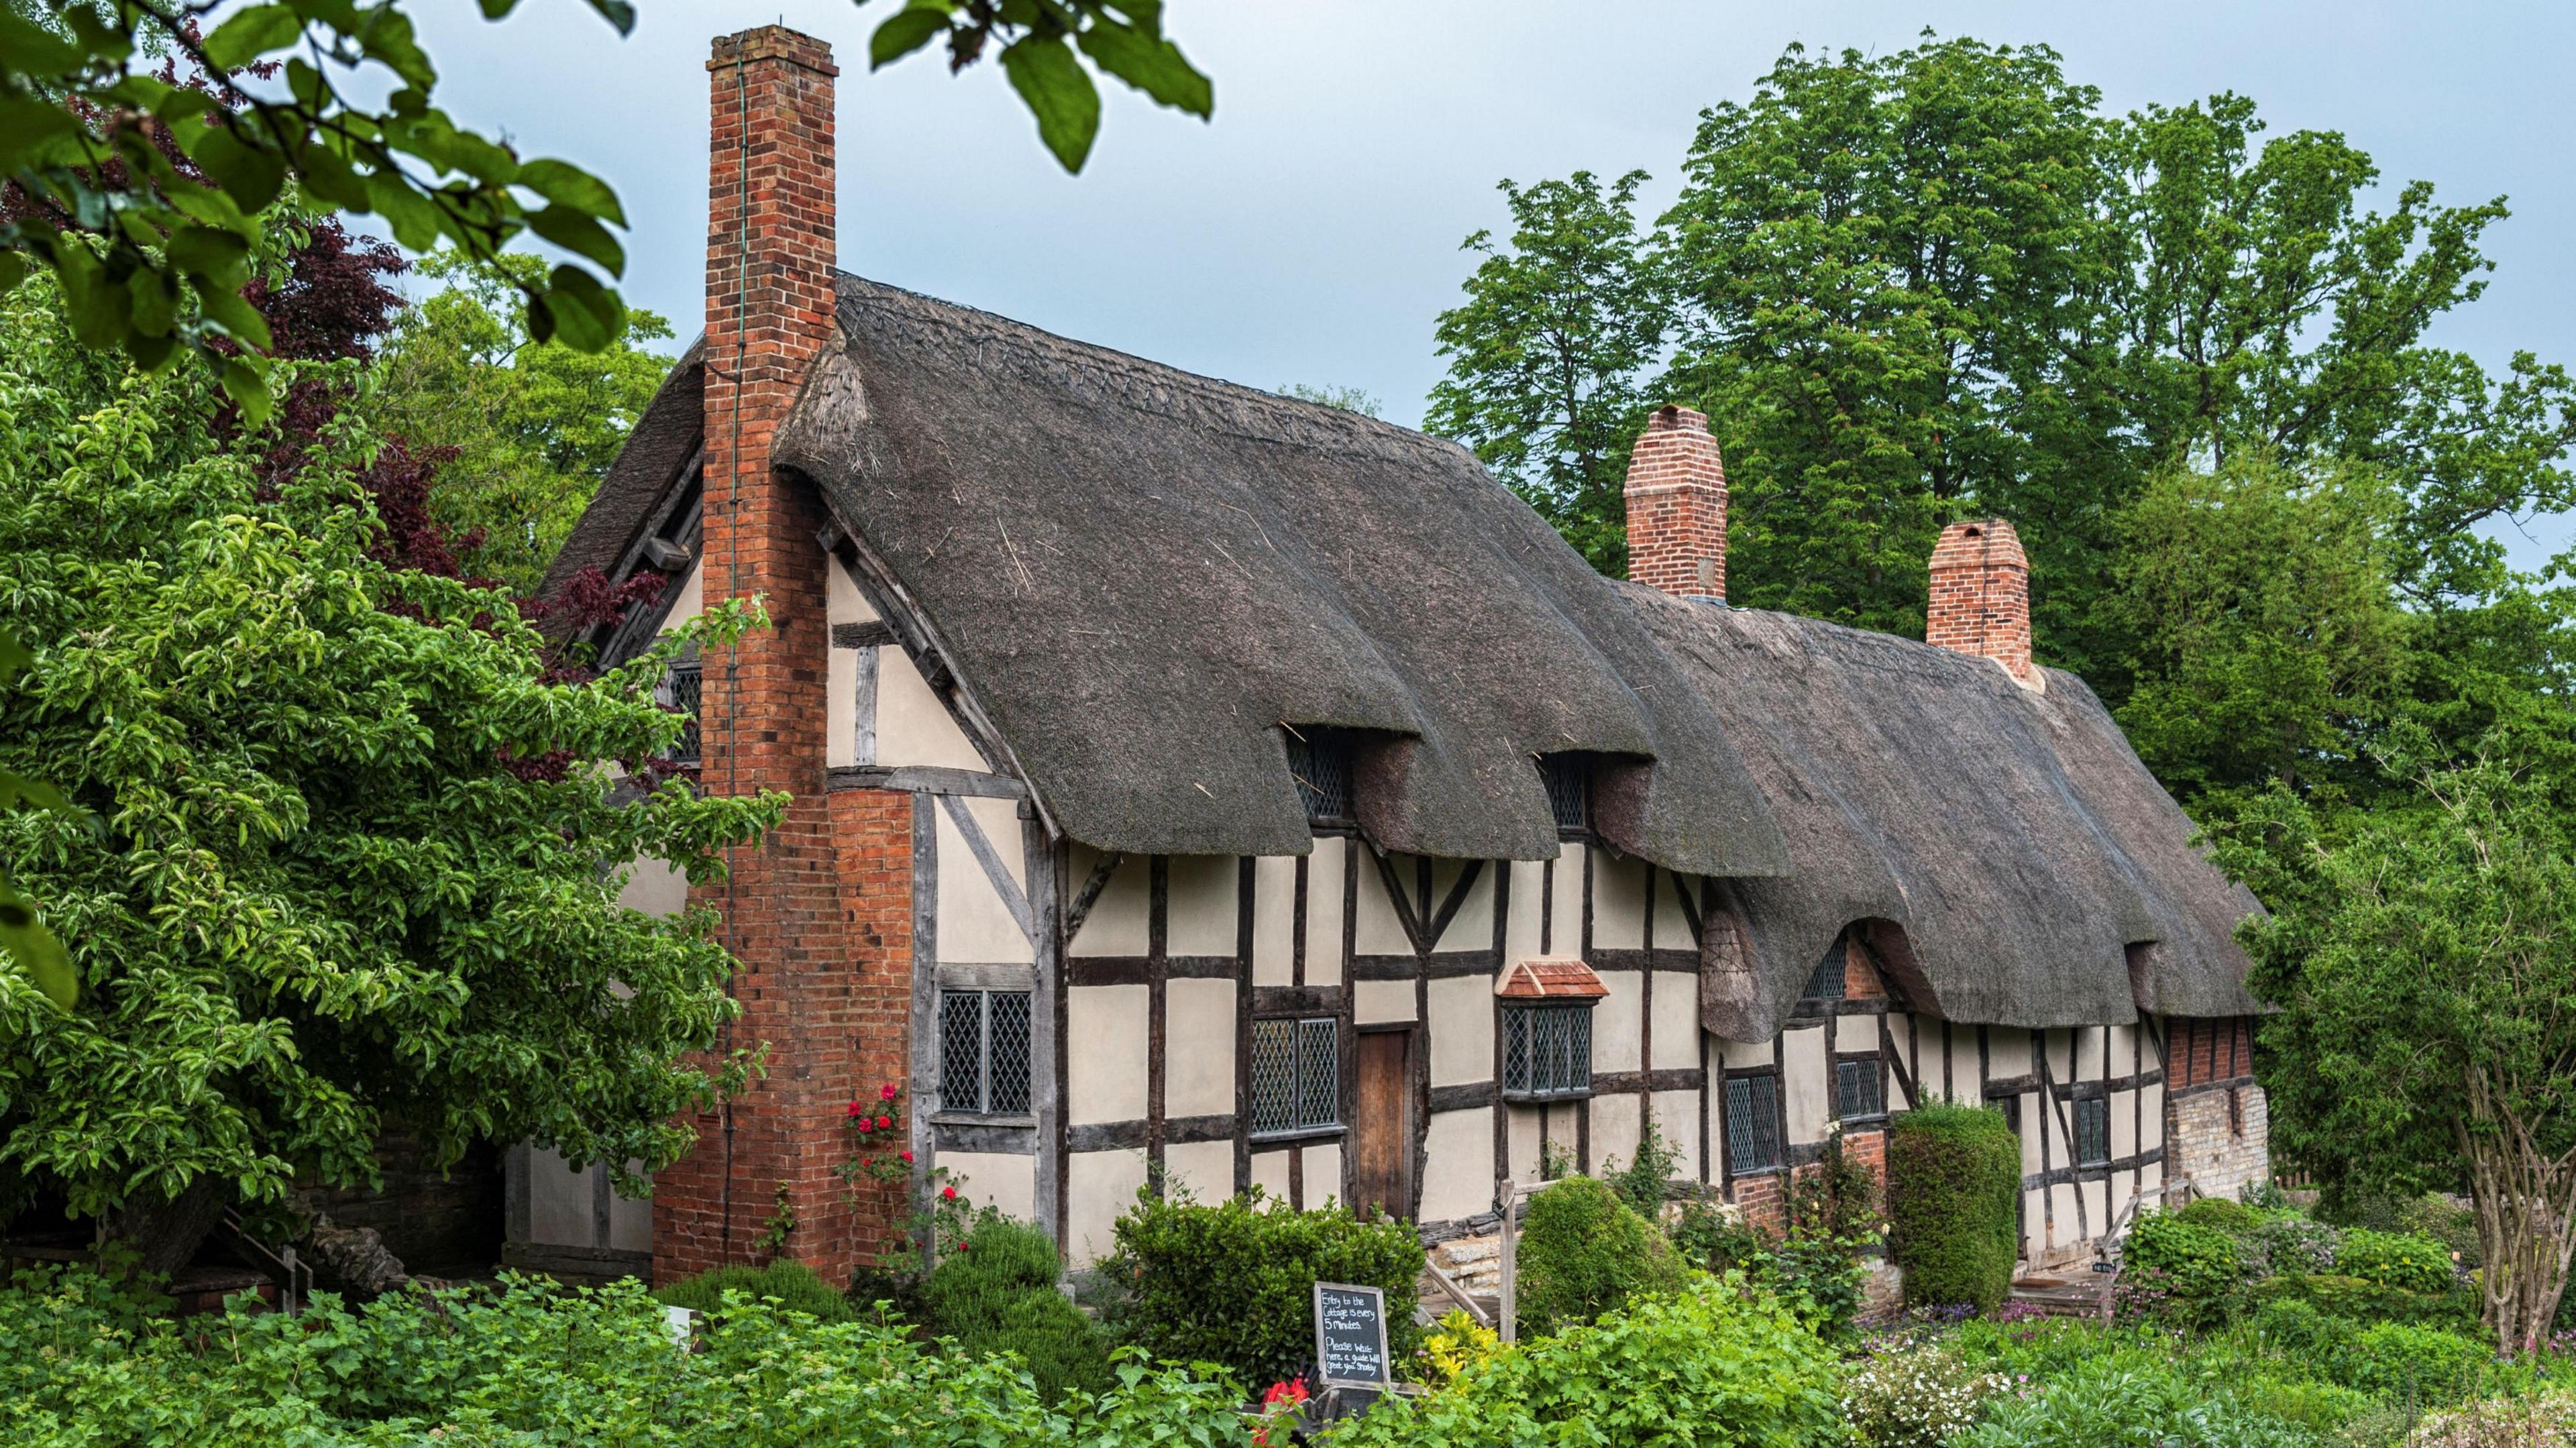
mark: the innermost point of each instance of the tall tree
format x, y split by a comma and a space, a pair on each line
524, 429
1869, 258
2423, 962
1550, 352
355, 853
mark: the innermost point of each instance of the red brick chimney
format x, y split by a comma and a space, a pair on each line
825, 966
1677, 506
1981, 595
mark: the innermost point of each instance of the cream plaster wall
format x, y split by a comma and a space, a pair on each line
1618, 903
1677, 1121
1323, 1174
1805, 1085
1373, 1001
1274, 920
996, 1179
843, 602
1199, 1064
1462, 1032
2008, 1051
1459, 1178
655, 888
1380, 932
1614, 1130
975, 925
1521, 1126
1105, 1027
1205, 1169
1120, 918
913, 724
1614, 1021
1743, 1055
1472, 928
1100, 1184
1203, 918
1565, 926
1520, 930
1676, 1021
1324, 910
1672, 927
1270, 1172
630, 1222
689, 602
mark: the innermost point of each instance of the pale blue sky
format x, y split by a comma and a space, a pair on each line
1310, 233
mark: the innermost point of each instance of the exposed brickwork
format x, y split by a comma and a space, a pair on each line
1981, 594
2219, 1140
1677, 506
1860, 978
2206, 1050
820, 915
1759, 1201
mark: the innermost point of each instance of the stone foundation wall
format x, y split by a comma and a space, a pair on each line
2219, 1150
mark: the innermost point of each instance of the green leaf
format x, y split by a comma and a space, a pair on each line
219, 257
251, 175
1151, 64
566, 184
413, 217
329, 177
252, 33
615, 12
13, 270
28, 128
35, 949
239, 319
581, 234
247, 385
30, 49
911, 28
1052, 83
582, 314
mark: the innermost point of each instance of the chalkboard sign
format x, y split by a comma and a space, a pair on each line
1350, 1333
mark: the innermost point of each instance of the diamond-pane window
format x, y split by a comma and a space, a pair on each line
2093, 1131
1752, 1124
1547, 1050
1296, 1076
1569, 788
685, 690
1859, 1091
984, 1051
1320, 761
1827, 980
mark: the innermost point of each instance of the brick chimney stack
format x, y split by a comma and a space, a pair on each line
1981, 595
827, 1003
1677, 506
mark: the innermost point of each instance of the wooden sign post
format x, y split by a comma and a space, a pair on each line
1350, 1336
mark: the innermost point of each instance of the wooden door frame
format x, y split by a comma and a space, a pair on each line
1409, 1191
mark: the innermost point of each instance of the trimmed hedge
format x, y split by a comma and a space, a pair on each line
996, 1293
1953, 1189
792, 1283
1583, 1252
1234, 1284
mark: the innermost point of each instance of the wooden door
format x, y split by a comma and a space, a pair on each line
1382, 1131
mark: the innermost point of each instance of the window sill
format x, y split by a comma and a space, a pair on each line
1299, 1135
1755, 1173
1871, 1121
983, 1118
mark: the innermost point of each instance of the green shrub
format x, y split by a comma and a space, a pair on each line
1918, 1396
1720, 1364
2234, 1218
532, 1363
1584, 1253
2120, 1401
793, 1284
2454, 1226
2400, 1260
1233, 1284
2199, 1261
1953, 1183
2295, 1328
2521, 1422
2291, 1244
996, 1293
2406, 1362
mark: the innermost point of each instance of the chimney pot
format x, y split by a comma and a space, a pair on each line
1676, 497
1981, 596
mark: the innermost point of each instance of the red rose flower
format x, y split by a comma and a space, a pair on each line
886, 1093
948, 1193
856, 1108
884, 1122
907, 1157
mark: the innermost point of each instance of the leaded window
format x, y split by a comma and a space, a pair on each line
984, 1051
1320, 761
1569, 789
1296, 1074
1859, 1091
1828, 980
2093, 1131
1547, 1050
684, 688
1752, 1124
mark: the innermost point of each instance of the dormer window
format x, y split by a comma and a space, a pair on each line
1829, 980
1569, 789
1320, 761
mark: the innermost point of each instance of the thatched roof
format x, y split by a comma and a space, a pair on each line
2010, 836
1141, 575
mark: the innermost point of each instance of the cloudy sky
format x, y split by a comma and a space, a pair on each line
1311, 232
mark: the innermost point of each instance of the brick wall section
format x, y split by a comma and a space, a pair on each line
1981, 594
819, 916
1677, 506
2219, 1154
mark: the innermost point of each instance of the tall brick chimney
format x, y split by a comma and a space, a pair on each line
1677, 506
827, 1004
1981, 595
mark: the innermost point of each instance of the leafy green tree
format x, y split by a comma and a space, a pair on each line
357, 849
1870, 260
525, 429
2423, 962
1550, 352
133, 169
2271, 644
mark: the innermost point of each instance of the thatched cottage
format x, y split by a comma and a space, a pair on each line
1197, 789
